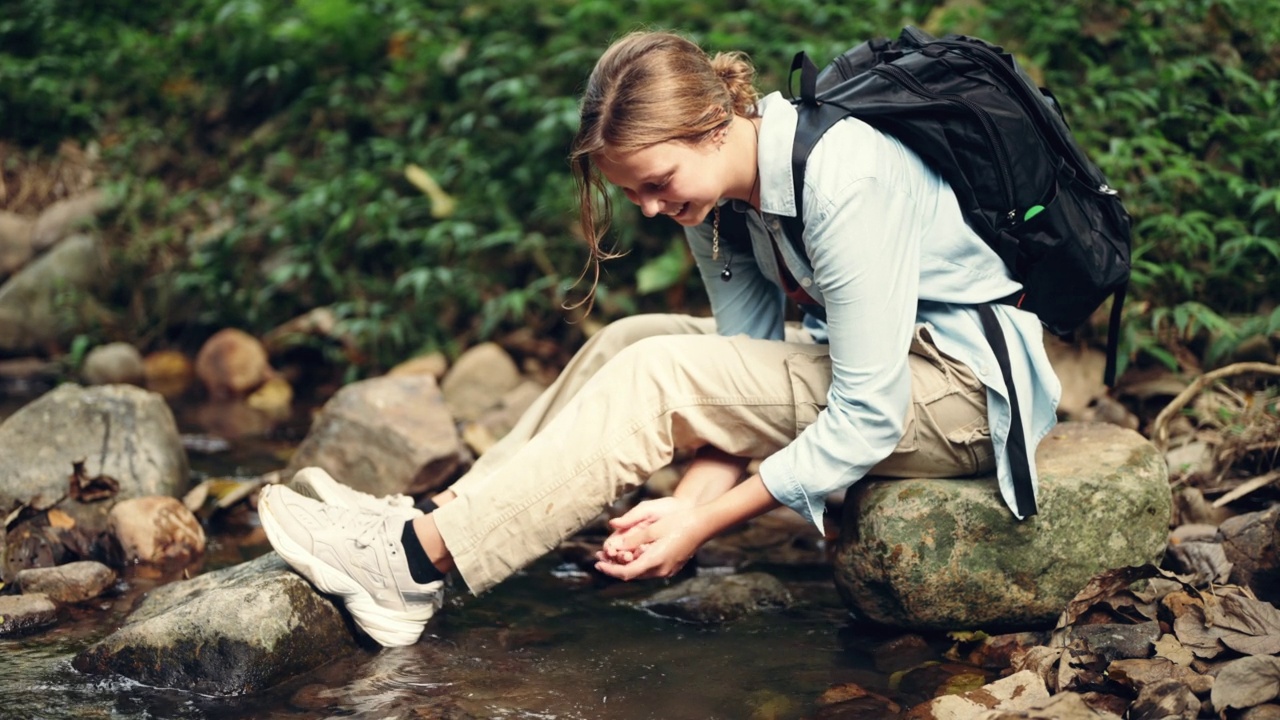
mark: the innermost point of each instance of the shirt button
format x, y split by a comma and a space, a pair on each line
806, 282
982, 368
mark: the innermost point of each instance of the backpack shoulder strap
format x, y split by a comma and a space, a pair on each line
813, 118
1016, 443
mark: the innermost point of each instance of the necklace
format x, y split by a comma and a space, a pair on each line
727, 273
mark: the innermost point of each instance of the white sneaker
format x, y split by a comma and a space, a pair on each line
356, 555
315, 483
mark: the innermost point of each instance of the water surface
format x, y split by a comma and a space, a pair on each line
552, 642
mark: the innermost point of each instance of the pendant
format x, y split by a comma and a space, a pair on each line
726, 274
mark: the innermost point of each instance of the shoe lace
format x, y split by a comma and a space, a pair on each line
367, 527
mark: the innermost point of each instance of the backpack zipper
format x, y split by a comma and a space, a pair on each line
904, 78
996, 64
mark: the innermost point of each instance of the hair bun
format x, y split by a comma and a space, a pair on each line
738, 75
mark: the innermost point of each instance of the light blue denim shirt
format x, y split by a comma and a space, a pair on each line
886, 249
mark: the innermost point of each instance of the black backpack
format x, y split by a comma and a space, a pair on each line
1023, 183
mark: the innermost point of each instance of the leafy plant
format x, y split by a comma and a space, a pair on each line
263, 148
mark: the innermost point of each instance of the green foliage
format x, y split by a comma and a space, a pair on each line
1178, 103
262, 150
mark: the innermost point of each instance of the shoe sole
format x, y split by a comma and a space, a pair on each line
388, 627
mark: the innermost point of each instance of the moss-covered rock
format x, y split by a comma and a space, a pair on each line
948, 554
230, 632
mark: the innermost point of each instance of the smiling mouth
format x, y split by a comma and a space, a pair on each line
681, 211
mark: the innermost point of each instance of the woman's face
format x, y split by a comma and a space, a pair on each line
674, 178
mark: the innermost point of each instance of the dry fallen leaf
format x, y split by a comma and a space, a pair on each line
1169, 648
60, 520
1205, 561
1079, 669
1106, 584
86, 489
1041, 660
1246, 625
1193, 631
1246, 682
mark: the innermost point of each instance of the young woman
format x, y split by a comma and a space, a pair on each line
900, 381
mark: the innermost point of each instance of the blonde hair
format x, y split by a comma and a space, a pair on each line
650, 88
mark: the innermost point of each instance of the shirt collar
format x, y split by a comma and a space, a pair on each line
773, 158
777, 134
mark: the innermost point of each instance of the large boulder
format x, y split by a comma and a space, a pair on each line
386, 435
230, 632
948, 554
47, 301
120, 431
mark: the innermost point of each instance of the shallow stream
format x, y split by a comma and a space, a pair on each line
552, 642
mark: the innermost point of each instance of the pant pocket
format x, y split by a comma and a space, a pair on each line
971, 447
810, 378
946, 430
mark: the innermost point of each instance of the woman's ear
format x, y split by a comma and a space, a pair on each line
721, 133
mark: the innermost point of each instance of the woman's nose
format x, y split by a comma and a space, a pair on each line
650, 205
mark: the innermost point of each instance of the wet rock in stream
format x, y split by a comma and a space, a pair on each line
68, 583
156, 530
719, 598
230, 632
21, 614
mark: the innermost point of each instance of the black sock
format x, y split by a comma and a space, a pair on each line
420, 567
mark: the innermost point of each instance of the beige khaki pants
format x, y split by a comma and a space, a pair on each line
647, 386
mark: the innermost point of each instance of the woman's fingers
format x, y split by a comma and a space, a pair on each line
639, 567
628, 540
649, 511
641, 513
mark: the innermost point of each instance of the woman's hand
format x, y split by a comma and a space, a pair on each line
655, 539
658, 537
